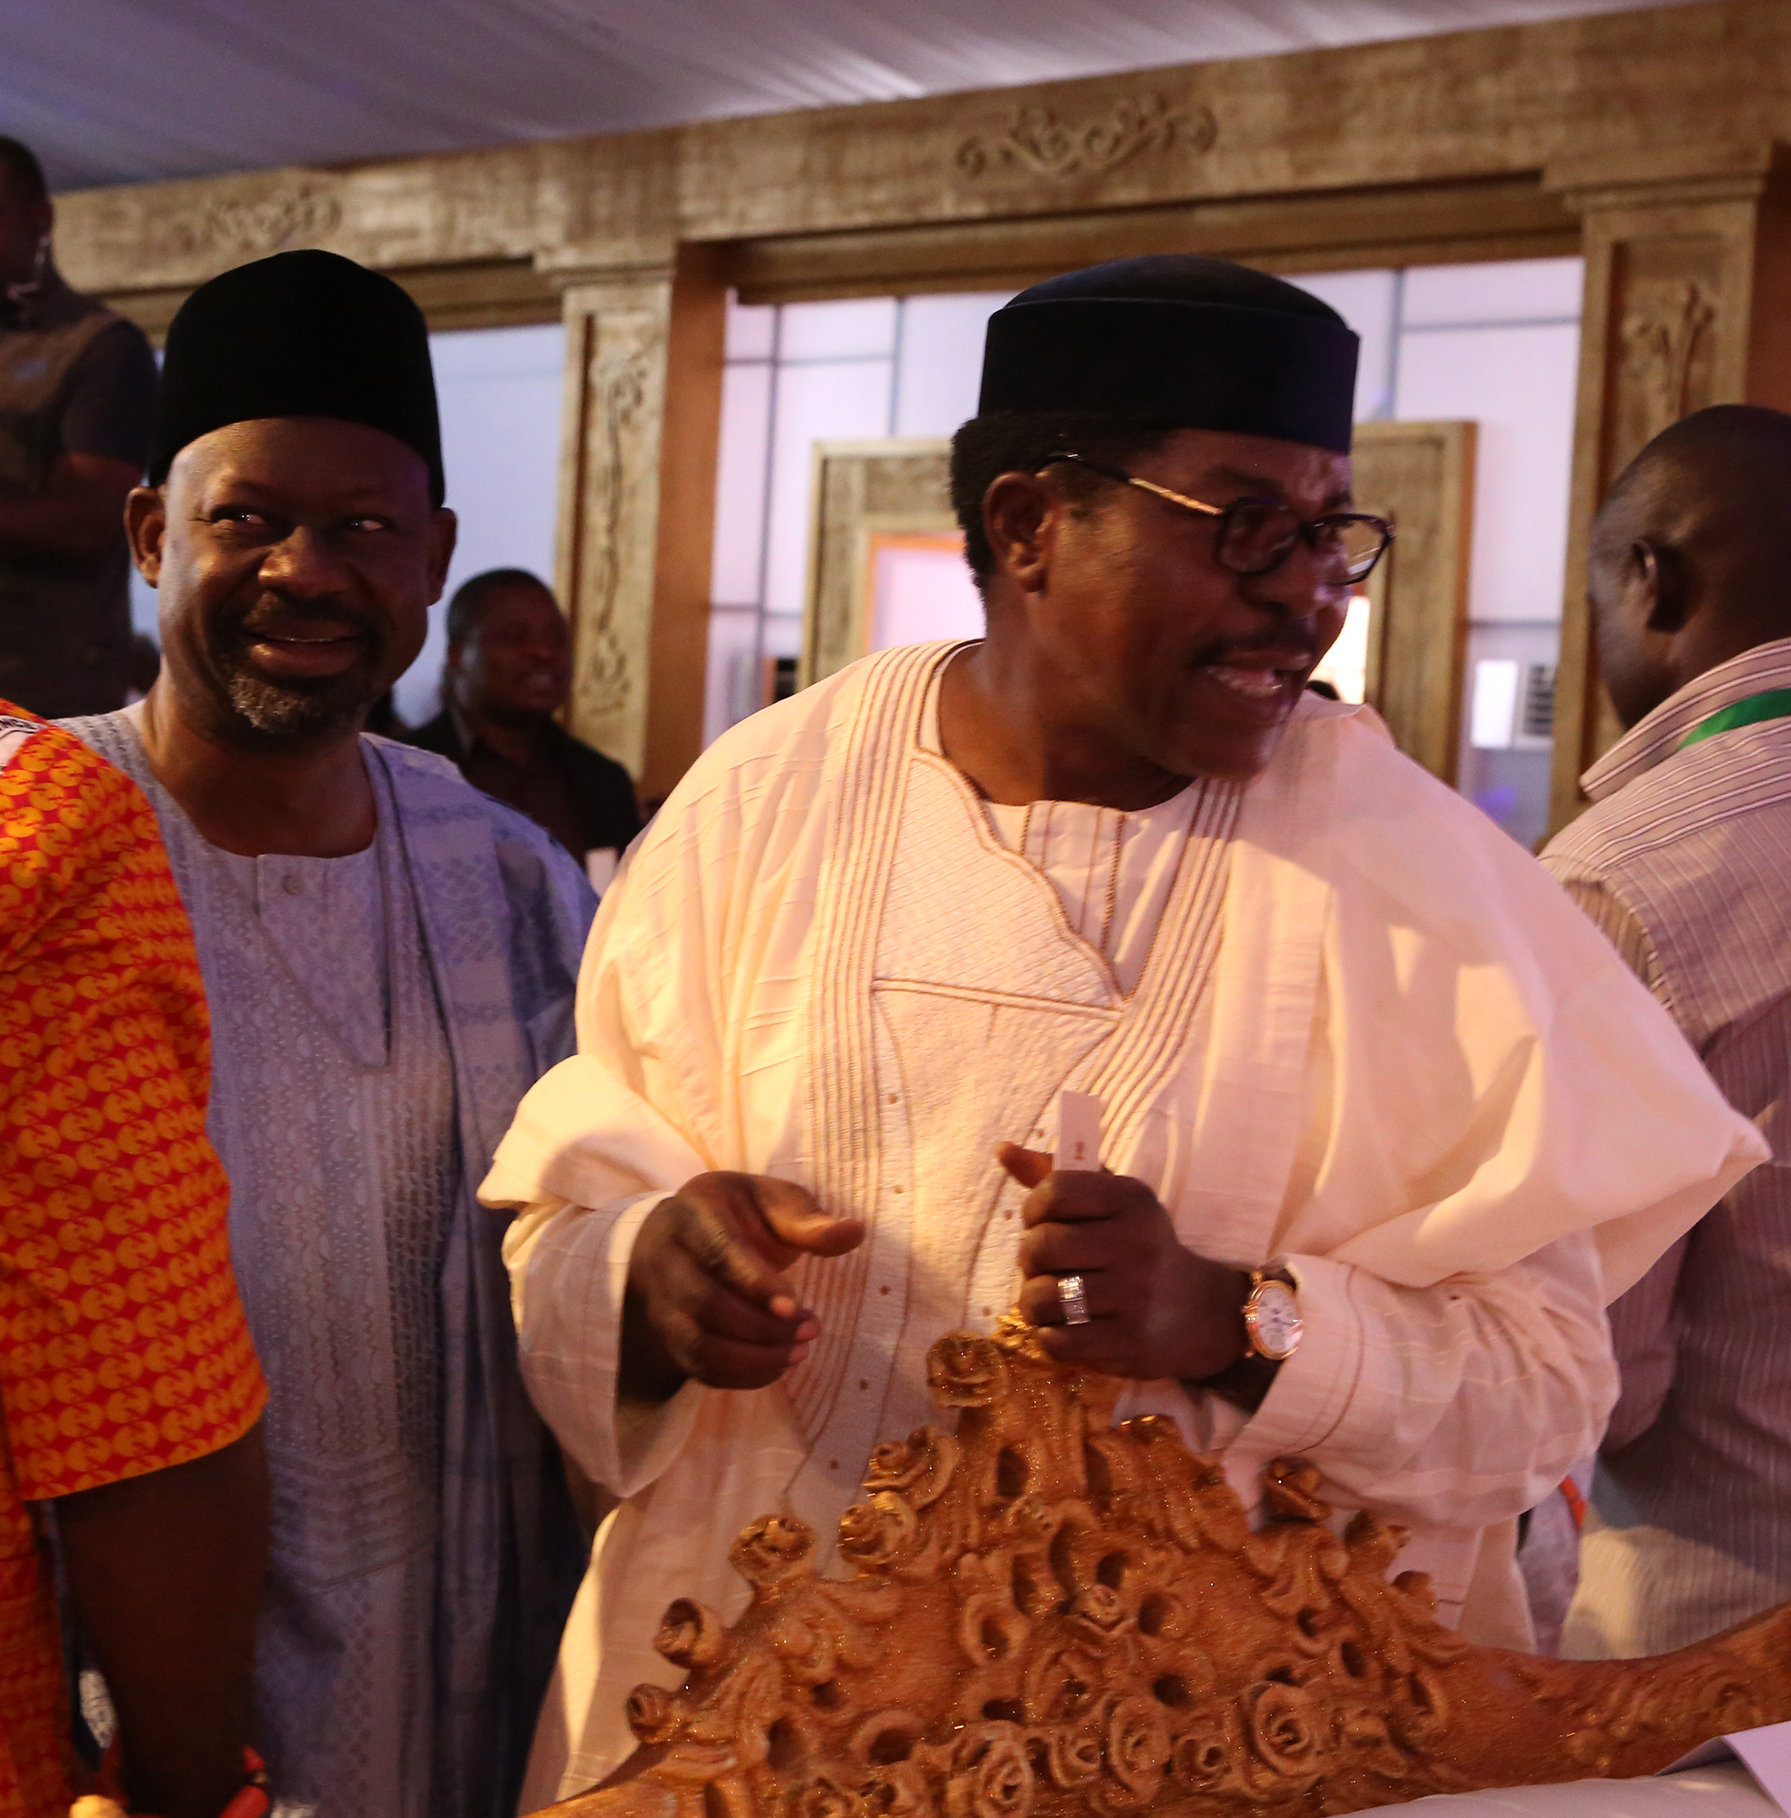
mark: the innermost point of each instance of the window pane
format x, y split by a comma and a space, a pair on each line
751, 330
1518, 384
847, 400
730, 688
740, 485
849, 329
939, 362
1505, 290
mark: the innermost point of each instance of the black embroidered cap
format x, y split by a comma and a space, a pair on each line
303, 334
1178, 339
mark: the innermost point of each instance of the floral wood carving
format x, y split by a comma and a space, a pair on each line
1037, 143
251, 226
1047, 1615
624, 353
1664, 332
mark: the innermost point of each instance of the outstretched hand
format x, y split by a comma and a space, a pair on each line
1155, 1308
706, 1294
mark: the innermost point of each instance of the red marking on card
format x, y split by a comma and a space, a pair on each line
1078, 1147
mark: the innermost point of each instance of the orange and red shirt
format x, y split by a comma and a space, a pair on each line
123, 1345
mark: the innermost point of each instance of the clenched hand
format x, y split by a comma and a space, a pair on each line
706, 1295
1156, 1309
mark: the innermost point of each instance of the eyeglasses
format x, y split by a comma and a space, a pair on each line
1258, 535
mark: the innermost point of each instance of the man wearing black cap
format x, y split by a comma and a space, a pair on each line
389, 957
904, 959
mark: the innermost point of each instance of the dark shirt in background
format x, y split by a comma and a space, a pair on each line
584, 799
75, 379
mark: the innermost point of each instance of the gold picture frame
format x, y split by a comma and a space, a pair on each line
865, 492
1419, 476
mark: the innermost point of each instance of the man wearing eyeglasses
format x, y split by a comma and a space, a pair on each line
1384, 1122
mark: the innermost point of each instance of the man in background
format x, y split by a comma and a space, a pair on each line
508, 673
1683, 860
390, 960
129, 1393
77, 388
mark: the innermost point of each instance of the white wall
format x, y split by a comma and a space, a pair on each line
499, 390
1495, 343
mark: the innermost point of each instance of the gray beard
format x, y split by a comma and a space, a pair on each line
293, 713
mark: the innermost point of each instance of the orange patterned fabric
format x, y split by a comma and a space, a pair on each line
123, 1346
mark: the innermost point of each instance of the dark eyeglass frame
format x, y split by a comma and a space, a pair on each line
1306, 531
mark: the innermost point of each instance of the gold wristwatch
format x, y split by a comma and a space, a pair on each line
1272, 1314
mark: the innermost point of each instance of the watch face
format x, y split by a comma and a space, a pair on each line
1273, 1318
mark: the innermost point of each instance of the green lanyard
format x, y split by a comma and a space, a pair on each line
1774, 704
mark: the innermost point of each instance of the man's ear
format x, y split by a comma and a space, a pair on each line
145, 524
1020, 514
1659, 579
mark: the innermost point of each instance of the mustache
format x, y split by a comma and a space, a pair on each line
263, 617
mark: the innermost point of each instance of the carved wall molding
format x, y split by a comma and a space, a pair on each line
1588, 98
234, 228
1665, 333
1036, 143
609, 521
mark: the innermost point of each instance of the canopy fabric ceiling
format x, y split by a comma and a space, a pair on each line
119, 91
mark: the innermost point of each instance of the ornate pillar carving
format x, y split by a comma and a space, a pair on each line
637, 481
617, 324
1687, 304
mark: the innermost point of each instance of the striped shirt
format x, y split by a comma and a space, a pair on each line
1684, 861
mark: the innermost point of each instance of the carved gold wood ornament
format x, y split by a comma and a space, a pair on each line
1036, 142
1048, 1615
249, 227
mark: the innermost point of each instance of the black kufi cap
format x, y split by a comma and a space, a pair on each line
303, 334
1180, 340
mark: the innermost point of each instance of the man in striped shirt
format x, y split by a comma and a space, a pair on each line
1683, 860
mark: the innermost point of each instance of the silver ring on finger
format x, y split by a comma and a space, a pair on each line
1072, 1295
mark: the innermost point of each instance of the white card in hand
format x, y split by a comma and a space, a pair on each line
1078, 1147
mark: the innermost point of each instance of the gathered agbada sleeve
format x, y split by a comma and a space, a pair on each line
123, 1343
1505, 1129
690, 983
595, 1146
1458, 1405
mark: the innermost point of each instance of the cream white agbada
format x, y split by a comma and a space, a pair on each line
1334, 1016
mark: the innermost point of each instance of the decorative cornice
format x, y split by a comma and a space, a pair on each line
1680, 172
250, 227
1559, 97
571, 267
1037, 143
